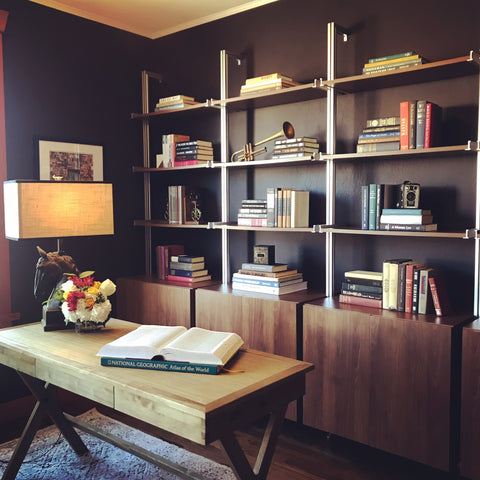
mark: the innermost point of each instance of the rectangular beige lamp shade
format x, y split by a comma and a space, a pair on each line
57, 209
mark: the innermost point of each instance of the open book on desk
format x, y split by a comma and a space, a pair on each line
159, 347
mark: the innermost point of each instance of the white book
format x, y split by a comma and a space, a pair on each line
176, 344
407, 219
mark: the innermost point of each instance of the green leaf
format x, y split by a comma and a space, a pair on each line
86, 274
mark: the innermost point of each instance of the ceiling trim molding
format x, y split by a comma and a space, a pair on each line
211, 18
58, 5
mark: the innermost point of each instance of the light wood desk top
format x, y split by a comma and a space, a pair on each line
198, 407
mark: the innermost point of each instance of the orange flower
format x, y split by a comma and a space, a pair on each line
89, 302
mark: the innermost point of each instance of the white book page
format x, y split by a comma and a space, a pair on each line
144, 342
198, 345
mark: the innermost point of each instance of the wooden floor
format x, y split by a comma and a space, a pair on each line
307, 454
301, 454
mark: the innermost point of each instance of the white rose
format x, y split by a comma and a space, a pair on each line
67, 286
107, 288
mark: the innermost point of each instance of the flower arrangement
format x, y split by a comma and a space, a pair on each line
84, 300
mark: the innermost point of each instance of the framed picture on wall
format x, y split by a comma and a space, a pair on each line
70, 162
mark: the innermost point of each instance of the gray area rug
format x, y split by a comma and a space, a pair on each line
51, 458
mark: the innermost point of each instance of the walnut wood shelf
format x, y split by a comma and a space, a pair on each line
427, 72
301, 93
471, 147
393, 233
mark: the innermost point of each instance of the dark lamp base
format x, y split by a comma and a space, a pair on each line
53, 319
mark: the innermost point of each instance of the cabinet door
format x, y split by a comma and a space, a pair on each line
144, 301
410, 389
338, 392
470, 406
383, 380
264, 324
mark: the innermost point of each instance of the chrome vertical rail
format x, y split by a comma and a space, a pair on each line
146, 175
225, 188
476, 293
332, 30
224, 159
146, 163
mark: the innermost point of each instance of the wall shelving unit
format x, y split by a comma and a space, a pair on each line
348, 343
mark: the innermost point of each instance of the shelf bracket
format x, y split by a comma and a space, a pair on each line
471, 233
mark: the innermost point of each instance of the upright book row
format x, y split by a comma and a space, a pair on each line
283, 207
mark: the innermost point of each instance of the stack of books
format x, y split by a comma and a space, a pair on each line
407, 219
295, 147
174, 102
362, 287
187, 269
169, 142
392, 62
266, 83
253, 213
420, 124
380, 135
412, 287
193, 152
375, 198
276, 279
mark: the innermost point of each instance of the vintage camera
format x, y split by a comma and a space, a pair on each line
408, 195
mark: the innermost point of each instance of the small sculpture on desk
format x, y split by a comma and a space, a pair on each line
50, 272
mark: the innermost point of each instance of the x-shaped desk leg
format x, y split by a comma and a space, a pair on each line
46, 404
235, 454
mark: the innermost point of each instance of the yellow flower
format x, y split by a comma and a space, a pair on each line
93, 290
89, 302
97, 284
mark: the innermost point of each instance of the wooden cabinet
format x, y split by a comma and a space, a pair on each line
146, 300
470, 404
384, 379
266, 323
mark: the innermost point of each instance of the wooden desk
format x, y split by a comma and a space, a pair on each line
201, 408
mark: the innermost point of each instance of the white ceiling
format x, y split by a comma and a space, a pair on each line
153, 18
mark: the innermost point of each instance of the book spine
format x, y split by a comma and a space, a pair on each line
408, 288
402, 271
391, 57
187, 273
383, 122
265, 283
386, 285
363, 281
415, 286
407, 219
423, 292
420, 127
185, 163
439, 293
377, 147
261, 267
372, 206
393, 286
402, 227
252, 215
365, 197
271, 207
379, 205
361, 301
393, 133
252, 222
404, 125
160, 365
412, 112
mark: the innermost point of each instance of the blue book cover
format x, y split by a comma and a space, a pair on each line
405, 211
161, 365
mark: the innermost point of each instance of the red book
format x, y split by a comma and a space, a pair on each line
164, 253
362, 301
178, 278
404, 125
440, 298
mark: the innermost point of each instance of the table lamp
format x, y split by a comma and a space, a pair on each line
57, 209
